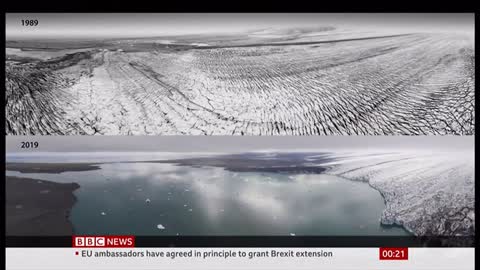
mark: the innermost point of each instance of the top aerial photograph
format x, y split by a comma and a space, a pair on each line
240, 74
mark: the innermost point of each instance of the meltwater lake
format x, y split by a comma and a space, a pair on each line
144, 198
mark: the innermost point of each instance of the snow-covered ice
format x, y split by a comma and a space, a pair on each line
428, 193
413, 84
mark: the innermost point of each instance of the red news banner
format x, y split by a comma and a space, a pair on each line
110, 241
121, 241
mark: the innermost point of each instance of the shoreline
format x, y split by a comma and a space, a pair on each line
38, 207
382, 220
50, 167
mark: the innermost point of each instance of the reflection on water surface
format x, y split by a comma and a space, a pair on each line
166, 199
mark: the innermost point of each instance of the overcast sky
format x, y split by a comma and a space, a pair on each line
123, 25
235, 143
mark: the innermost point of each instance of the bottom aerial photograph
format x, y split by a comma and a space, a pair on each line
240, 186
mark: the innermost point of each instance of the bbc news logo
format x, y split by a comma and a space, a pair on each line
110, 241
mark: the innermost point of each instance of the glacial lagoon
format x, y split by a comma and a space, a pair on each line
168, 199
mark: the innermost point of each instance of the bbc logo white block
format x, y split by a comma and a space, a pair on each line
89, 241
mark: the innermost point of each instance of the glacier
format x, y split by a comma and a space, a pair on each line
429, 193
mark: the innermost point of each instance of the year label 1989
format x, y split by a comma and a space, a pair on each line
29, 22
